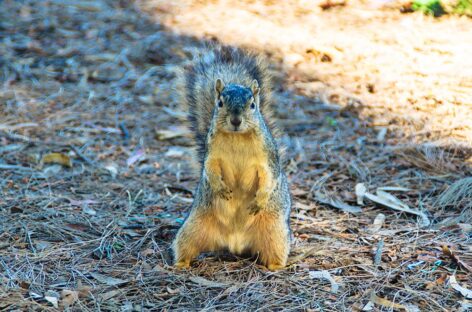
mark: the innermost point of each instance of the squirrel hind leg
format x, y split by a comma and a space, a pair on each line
196, 235
184, 252
270, 240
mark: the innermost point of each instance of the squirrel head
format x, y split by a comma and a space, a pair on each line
237, 107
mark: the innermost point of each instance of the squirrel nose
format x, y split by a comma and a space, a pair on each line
235, 121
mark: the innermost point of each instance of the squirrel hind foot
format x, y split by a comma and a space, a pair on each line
275, 267
183, 264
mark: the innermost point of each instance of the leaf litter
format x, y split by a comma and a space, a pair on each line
92, 80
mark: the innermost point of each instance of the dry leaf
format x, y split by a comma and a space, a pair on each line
393, 189
388, 200
57, 158
385, 302
369, 306
302, 206
112, 169
440, 281
52, 300
172, 132
137, 155
378, 222
360, 191
111, 281
467, 293
175, 152
325, 275
173, 291
336, 203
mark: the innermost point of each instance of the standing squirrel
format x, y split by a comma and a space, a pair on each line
242, 202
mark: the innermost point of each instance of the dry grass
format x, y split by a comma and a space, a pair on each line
92, 80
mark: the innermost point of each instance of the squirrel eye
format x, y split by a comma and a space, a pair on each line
253, 105
220, 103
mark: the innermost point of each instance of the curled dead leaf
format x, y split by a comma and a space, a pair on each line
325, 275
173, 291
388, 200
336, 203
467, 293
378, 222
360, 191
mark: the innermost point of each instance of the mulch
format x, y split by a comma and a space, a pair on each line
96, 178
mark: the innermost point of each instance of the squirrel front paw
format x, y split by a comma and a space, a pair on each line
254, 208
224, 191
262, 198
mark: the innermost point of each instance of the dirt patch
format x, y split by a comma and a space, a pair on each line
410, 72
95, 174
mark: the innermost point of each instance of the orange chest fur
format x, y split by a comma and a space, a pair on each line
240, 156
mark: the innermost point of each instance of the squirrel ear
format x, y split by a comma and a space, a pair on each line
255, 87
219, 86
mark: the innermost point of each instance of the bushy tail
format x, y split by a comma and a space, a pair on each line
196, 85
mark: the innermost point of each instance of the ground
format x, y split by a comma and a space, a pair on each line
96, 173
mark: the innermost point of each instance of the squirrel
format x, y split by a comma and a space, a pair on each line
242, 201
